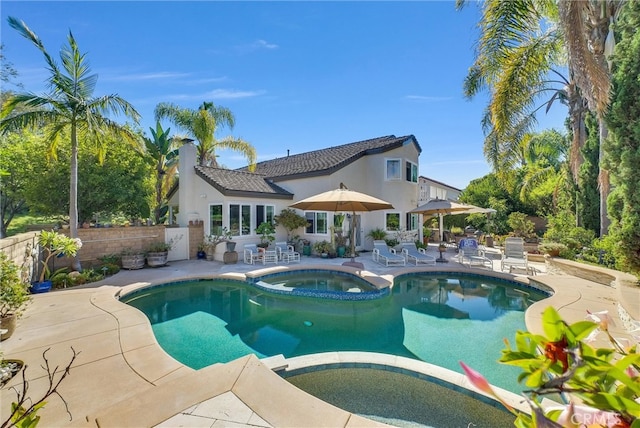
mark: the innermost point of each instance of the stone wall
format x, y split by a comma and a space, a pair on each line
19, 249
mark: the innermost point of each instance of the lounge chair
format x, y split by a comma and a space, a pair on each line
412, 253
514, 255
251, 254
286, 252
385, 255
470, 253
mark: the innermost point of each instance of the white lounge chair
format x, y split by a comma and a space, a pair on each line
412, 253
470, 253
385, 255
286, 252
514, 255
251, 254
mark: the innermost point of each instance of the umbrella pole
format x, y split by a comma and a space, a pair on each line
441, 228
353, 236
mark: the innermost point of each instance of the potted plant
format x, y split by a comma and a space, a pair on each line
53, 244
341, 243
377, 234
132, 259
323, 248
158, 253
553, 249
290, 220
266, 231
13, 296
210, 242
202, 251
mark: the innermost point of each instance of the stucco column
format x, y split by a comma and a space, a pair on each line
186, 196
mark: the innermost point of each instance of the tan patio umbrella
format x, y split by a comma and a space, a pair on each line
441, 207
343, 200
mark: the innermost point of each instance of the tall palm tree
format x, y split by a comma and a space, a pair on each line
163, 155
69, 105
518, 56
588, 32
202, 124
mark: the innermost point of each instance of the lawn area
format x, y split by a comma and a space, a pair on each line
26, 222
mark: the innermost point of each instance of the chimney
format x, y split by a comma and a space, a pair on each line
287, 152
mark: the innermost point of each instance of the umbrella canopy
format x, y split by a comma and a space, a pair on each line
343, 200
440, 207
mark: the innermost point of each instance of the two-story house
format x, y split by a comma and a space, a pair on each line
384, 167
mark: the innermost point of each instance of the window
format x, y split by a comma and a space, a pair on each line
412, 172
264, 213
393, 169
412, 221
240, 219
392, 221
317, 222
215, 219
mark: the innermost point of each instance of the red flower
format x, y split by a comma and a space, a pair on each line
557, 351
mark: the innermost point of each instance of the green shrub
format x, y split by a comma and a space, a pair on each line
520, 225
391, 242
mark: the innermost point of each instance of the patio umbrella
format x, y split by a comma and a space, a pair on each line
343, 200
440, 207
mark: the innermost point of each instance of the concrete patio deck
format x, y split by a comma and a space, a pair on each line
123, 378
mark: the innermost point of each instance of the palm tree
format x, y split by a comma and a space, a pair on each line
590, 41
69, 105
163, 155
202, 124
519, 48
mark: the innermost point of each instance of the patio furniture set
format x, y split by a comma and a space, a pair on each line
281, 253
470, 253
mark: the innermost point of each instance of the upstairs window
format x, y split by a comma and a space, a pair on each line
412, 172
393, 169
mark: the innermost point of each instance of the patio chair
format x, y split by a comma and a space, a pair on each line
286, 252
251, 254
470, 253
385, 255
411, 252
514, 255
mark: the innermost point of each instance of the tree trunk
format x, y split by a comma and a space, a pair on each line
603, 180
73, 195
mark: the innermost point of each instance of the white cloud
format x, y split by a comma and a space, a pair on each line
136, 77
255, 46
264, 44
225, 94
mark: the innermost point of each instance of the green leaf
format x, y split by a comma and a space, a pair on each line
607, 401
552, 324
582, 329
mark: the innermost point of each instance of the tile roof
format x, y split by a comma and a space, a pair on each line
329, 160
241, 183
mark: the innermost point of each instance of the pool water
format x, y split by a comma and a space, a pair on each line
320, 281
435, 318
374, 394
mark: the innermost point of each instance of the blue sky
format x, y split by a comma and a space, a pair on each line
298, 76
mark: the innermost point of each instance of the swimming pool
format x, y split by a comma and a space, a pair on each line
434, 317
